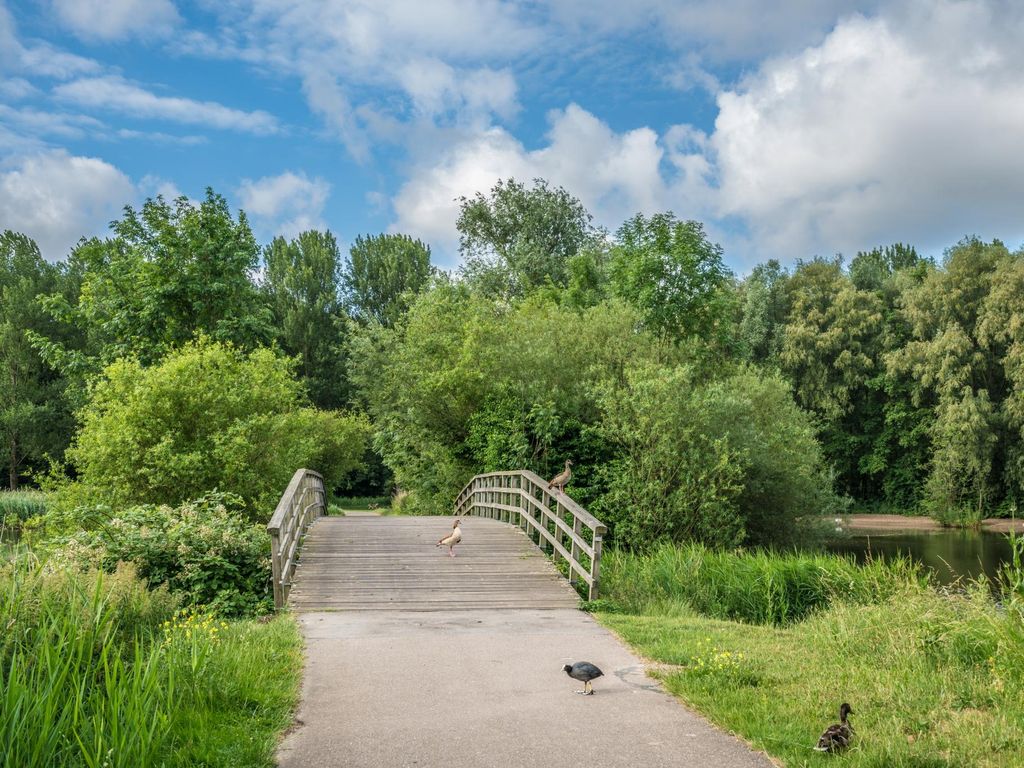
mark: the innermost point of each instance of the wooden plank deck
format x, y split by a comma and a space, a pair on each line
391, 563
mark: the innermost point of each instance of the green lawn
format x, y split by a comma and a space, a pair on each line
934, 681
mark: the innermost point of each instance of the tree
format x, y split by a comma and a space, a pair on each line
382, 275
34, 419
675, 276
956, 359
168, 274
207, 417
302, 283
765, 311
518, 238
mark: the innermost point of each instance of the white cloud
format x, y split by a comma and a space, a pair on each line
614, 174
286, 204
37, 59
117, 94
883, 132
108, 20
57, 198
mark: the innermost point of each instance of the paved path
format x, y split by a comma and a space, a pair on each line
437, 668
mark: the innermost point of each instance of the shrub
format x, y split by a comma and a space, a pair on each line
208, 416
203, 550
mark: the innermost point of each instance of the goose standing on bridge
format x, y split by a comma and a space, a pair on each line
563, 477
451, 539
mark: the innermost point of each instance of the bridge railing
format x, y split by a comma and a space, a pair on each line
553, 521
303, 502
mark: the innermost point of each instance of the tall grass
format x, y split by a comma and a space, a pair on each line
15, 508
96, 670
758, 587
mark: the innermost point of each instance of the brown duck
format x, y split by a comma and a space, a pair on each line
563, 477
837, 737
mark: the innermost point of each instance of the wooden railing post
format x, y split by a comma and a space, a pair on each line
303, 501
522, 498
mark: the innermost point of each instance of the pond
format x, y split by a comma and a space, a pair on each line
951, 554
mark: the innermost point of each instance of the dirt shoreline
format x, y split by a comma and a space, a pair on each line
916, 523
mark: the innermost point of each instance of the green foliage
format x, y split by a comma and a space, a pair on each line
759, 587
97, 670
203, 550
34, 416
517, 239
725, 462
209, 416
168, 274
18, 507
675, 276
383, 274
302, 283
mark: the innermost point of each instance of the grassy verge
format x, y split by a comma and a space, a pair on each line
936, 680
95, 669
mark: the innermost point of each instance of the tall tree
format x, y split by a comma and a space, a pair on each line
519, 238
34, 419
168, 274
382, 275
765, 310
675, 276
303, 286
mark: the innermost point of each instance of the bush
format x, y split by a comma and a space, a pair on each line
16, 507
203, 550
758, 587
208, 416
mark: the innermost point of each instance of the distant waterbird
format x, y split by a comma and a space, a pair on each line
563, 477
837, 737
451, 539
585, 672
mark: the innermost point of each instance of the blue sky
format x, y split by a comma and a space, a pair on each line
801, 129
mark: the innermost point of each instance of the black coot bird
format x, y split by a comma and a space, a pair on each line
583, 671
837, 737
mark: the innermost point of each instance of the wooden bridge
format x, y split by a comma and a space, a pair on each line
524, 546
415, 659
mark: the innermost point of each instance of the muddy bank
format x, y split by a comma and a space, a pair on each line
920, 523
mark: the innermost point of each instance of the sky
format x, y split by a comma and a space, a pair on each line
791, 129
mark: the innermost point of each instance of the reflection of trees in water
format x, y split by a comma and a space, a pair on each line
951, 554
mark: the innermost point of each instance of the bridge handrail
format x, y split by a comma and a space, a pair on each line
304, 500
522, 498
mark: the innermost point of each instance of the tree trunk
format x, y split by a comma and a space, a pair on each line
13, 465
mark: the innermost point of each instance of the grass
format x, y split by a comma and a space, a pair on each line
757, 587
15, 508
96, 670
936, 679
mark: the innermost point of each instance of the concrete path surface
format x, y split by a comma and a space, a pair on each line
485, 688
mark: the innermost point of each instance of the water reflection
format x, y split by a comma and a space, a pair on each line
950, 554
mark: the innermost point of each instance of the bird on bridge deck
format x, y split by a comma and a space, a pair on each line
451, 539
563, 477
583, 671
837, 737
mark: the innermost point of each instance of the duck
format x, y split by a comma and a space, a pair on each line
451, 539
563, 477
585, 672
837, 737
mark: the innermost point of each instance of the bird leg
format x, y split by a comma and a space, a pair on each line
588, 689
451, 551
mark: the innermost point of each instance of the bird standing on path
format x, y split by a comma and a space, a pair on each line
837, 737
559, 480
451, 539
585, 672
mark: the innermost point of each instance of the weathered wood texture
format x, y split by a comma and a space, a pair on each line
556, 523
392, 563
303, 502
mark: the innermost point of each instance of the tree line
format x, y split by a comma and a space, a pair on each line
695, 403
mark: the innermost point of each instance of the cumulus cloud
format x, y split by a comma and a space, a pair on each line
119, 95
614, 174
286, 204
108, 20
57, 198
879, 133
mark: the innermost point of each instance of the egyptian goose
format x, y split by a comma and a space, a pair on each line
837, 737
559, 480
583, 671
451, 539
